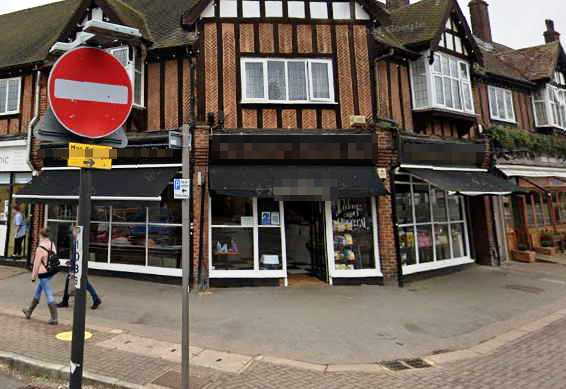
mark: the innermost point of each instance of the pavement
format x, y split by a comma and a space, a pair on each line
471, 327
10, 383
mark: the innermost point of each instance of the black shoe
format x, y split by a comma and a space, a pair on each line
63, 304
96, 304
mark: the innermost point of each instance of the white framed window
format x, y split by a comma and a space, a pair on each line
445, 84
341, 10
273, 9
319, 10
131, 58
275, 80
432, 226
550, 107
296, 9
559, 78
501, 104
250, 9
228, 8
10, 91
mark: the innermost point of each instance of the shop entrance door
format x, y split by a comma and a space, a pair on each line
306, 242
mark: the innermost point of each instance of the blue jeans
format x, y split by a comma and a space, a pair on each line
92, 292
44, 285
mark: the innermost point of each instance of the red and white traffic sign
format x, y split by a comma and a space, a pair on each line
90, 92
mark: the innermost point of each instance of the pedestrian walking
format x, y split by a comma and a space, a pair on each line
43, 272
21, 230
96, 301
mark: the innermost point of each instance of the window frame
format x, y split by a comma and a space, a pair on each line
308, 86
496, 115
131, 68
18, 108
546, 92
465, 84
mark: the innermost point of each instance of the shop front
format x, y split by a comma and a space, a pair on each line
442, 203
14, 174
536, 220
300, 218
135, 225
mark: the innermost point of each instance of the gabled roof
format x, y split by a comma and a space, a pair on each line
26, 36
534, 63
194, 8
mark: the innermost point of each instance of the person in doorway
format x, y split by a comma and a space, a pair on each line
41, 273
96, 301
21, 231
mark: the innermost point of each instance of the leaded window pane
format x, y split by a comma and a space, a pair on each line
254, 80
277, 85
320, 81
297, 80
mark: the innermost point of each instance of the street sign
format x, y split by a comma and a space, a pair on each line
90, 92
77, 252
181, 188
90, 156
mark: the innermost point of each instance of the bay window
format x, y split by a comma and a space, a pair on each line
287, 80
501, 104
445, 84
550, 107
10, 90
431, 224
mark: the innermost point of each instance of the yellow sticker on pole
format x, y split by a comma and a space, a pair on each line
90, 156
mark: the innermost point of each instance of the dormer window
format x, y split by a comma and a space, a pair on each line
550, 107
443, 85
559, 78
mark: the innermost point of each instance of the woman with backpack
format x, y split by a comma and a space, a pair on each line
43, 269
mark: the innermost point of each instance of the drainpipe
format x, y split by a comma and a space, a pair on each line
32, 123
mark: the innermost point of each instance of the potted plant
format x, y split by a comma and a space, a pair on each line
547, 244
523, 254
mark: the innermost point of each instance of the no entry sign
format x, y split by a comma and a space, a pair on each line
90, 92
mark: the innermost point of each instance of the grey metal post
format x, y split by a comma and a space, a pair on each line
186, 254
79, 312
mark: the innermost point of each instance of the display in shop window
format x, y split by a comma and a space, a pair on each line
353, 234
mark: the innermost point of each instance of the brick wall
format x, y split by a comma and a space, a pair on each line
200, 206
386, 158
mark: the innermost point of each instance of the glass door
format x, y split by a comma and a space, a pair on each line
318, 241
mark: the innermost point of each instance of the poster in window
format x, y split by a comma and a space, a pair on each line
266, 218
275, 218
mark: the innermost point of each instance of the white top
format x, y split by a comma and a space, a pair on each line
21, 228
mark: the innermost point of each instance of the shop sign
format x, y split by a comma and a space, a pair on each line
181, 188
13, 159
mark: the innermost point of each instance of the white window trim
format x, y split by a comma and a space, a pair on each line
352, 273
17, 110
505, 92
309, 88
546, 91
131, 69
435, 264
431, 90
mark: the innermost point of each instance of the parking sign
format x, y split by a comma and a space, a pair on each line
181, 188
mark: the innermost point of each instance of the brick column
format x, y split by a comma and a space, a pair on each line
200, 192
386, 156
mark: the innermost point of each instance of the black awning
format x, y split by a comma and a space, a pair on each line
136, 185
470, 183
296, 182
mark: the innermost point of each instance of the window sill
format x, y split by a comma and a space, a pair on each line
513, 122
10, 113
422, 267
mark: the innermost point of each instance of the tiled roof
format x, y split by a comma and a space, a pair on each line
26, 36
534, 63
419, 22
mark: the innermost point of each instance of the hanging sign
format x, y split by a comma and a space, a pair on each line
90, 92
181, 188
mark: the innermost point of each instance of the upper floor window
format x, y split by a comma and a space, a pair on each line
132, 59
559, 78
501, 104
271, 80
451, 39
550, 107
10, 95
445, 84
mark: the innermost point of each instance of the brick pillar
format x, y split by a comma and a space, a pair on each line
386, 157
200, 206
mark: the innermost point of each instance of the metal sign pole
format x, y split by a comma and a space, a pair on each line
186, 246
79, 312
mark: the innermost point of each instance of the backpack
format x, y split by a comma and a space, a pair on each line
52, 264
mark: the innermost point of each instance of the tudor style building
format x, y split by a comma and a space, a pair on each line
344, 141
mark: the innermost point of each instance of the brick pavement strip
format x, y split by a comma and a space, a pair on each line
534, 360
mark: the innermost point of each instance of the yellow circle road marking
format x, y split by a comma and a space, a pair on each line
67, 336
